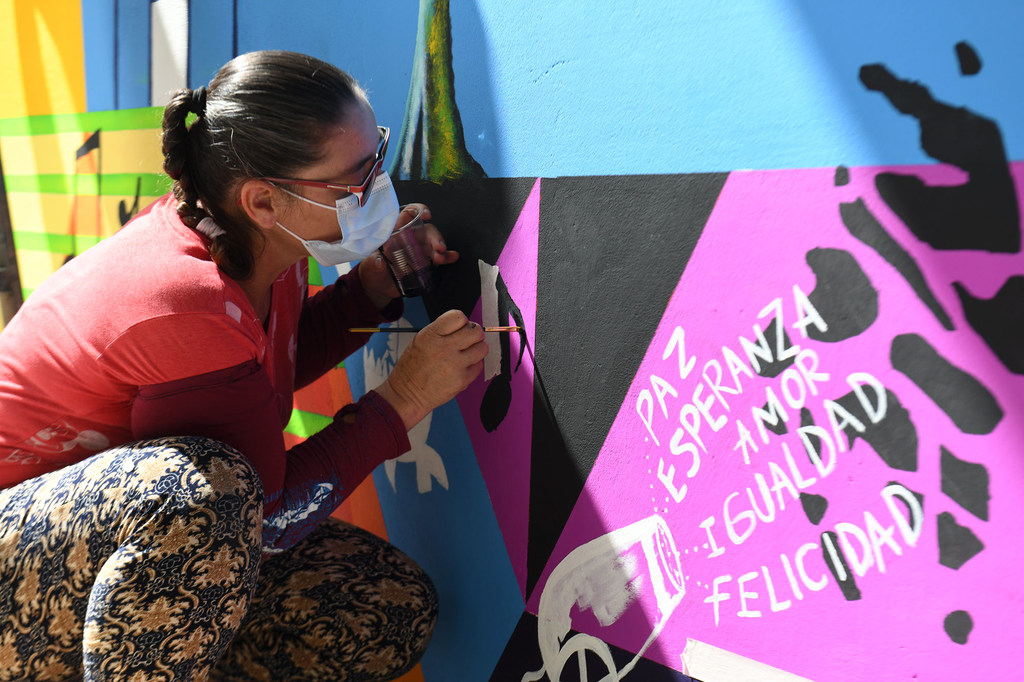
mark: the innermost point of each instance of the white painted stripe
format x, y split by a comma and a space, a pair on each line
489, 317
168, 49
708, 663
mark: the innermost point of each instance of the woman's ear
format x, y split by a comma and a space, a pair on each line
258, 200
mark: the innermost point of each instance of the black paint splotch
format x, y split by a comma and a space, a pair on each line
999, 320
966, 483
863, 225
957, 544
894, 437
980, 214
842, 176
958, 626
842, 573
843, 295
970, 405
779, 427
906, 505
967, 56
814, 506
806, 419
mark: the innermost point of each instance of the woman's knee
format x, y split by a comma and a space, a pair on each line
199, 480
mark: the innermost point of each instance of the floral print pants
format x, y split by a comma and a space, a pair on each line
143, 563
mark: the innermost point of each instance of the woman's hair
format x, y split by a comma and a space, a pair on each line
265, 114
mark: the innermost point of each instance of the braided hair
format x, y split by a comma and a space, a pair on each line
265, 114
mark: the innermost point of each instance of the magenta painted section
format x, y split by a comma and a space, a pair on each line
504, 454
784, 607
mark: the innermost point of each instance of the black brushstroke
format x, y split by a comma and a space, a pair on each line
967, 57
522, 655
999, 320
970, 405
865, 227
91, 143
848, 586
498, 395
124, 213
894, 438
814, 506
980, 214
966, 483
843, 295
842, 176
957, 544
958, 626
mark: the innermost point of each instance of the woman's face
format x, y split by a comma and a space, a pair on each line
349, 153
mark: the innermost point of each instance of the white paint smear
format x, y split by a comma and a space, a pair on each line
489, 308
710, 664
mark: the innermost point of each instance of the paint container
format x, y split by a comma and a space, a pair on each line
407, 252
631, 577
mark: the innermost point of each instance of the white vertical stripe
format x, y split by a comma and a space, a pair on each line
489, 317
710, 664
168, 49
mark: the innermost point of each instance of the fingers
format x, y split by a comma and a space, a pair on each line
436, 247
449, 322
411, 208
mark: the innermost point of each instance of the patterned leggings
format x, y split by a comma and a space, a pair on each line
143, 563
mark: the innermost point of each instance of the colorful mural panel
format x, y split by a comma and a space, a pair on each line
758, 423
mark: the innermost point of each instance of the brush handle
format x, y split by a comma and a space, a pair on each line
373, 330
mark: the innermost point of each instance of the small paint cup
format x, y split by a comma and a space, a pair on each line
407, 253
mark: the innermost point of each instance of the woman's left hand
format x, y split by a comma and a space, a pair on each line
373, 270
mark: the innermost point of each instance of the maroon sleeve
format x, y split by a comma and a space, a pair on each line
237, 406
324, 339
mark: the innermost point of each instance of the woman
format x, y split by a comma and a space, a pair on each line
152, 525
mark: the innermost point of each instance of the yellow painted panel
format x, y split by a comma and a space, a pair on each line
36, 266
51, 213
43, 56
121, 151
131, 151
40, 212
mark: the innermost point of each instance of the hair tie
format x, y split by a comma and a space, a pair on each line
197, 101
209, 228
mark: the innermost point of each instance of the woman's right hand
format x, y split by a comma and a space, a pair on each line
442, 360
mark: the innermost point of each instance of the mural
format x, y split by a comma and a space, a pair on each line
758, 422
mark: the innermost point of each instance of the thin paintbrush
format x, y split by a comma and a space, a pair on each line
372, 330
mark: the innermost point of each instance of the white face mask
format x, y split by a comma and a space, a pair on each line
363, 228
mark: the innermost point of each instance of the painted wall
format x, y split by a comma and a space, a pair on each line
763, 419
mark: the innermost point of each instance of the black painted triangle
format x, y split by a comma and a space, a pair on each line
476, 217
611, 251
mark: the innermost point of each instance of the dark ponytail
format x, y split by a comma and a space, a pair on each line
265, 114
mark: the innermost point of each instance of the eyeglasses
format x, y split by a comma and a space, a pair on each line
362, 190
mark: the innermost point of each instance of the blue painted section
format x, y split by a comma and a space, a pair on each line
99, 49
372, 41
453, 534
210, 38
665, 87
132, 31
627, 88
